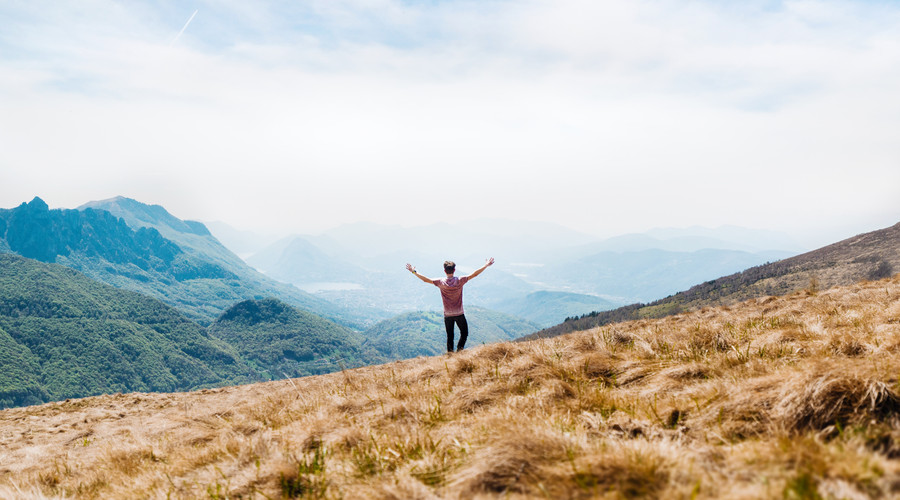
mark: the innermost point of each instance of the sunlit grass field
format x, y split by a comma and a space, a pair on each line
778, 397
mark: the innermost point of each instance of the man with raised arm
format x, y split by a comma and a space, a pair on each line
451, 294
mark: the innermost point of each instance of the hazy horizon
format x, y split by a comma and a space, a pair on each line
807, 240
605, 117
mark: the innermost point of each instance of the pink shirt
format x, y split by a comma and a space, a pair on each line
451, 294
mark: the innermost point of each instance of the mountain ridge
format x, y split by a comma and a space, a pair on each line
137, 214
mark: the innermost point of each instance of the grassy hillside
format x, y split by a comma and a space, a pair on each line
423, 333
777, 397
871, 256
280, 341
63, 335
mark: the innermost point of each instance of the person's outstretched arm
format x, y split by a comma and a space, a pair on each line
482, 268
411, 269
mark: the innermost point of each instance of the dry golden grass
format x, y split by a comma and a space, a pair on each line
780, 397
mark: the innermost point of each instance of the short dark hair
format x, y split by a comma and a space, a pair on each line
449, 266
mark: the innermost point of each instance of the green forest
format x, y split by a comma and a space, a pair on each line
64, 335
280, 341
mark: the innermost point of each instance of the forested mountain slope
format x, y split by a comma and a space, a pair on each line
280, 341
64, 335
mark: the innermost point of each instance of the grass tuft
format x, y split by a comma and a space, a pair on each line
828, 397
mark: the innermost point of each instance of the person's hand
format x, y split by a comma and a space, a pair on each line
490, 262
410, 268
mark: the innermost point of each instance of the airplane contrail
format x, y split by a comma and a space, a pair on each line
184, 28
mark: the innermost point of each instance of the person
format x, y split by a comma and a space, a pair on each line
451, 295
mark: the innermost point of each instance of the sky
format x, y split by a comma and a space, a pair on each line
608, 117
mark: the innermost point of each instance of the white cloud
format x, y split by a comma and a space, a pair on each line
610, 116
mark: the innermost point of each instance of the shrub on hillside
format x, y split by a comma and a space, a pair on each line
881, 270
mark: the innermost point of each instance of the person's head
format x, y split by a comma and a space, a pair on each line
449, 266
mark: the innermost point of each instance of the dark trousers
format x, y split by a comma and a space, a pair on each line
463, 331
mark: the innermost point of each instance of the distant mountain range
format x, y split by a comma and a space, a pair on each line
644, 275
298, 260
354, 282
867, 256
359, 266
242, 242
691, 239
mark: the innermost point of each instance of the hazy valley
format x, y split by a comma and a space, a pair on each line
545, 273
